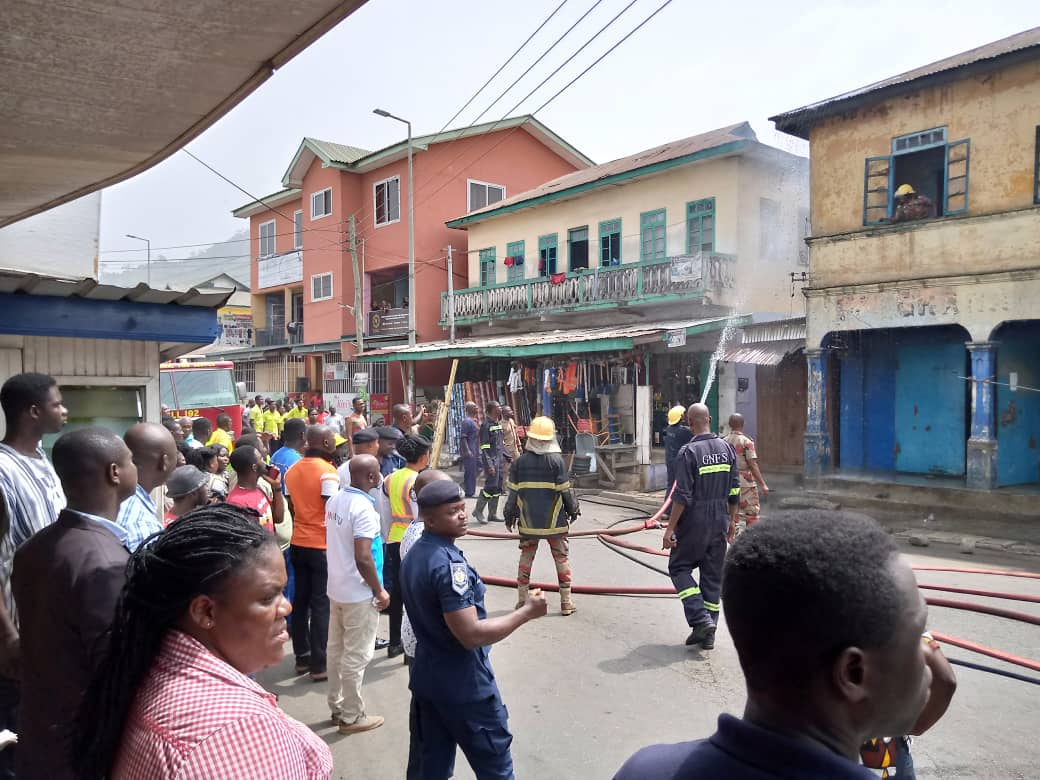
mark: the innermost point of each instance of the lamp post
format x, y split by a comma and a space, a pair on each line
411, 228
148, 244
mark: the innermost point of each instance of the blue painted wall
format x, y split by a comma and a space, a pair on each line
1018, 413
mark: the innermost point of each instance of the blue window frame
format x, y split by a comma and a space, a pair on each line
515, 272
547, 247
700, 226
610, 243
652, 238
487, 267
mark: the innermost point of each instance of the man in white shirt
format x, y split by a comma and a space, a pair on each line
336, 421
355, 594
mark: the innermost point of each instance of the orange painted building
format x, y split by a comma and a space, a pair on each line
302, 273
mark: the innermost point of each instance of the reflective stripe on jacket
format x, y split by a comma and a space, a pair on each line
399, 491
540, 495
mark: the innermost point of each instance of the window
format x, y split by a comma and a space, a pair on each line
487, 267
267, 242
547, 255
610, 243
297, 230
321, 203
200, 388
321, 287
113, 407
652, 244
1036, 169
700, 226
482, 194
578, 247
934, 167
515, 272
388, 201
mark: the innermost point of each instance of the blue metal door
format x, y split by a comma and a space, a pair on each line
931, 427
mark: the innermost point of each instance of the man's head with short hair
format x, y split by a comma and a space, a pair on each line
312, 417
826, 618
321, 439
415, 450
174, 427
246, 462
252, 440
358, 405
736, 422
699, 419
201, 429
185, 423
96, 470
32, 403
508, 413
155, 453
471, 409
493, 410
364, 472
402, 416
224, 421
426, 477
294, 434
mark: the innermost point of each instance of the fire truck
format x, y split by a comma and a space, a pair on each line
202, 390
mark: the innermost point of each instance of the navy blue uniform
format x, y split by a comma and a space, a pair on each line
455, 699
492, 456
468, 448
741, 751
706, 483
675, 436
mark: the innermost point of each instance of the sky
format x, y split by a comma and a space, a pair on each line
694, 67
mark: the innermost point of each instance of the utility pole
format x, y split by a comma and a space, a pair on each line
451, 298
148, 245
359, 319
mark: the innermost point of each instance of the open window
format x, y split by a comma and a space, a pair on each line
933, 166
578, 247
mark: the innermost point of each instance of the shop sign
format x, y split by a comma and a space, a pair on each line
676, 338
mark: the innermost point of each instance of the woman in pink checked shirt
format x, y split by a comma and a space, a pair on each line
202, 609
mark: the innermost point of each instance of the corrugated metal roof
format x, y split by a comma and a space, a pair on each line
19, 282
549, 342
764, 354
659, 154
798, 121
777, 330
340, 153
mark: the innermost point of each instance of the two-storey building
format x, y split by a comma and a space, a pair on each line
606, 290
923, 333
305, 263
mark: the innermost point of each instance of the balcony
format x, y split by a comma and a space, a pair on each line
387, 322
647, 281
277, 337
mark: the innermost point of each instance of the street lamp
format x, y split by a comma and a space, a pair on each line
411, 229
149, 247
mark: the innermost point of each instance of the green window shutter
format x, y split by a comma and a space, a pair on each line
956, 189
877, 190
610, 243
515, 272
700, 226
487, 267
652, 239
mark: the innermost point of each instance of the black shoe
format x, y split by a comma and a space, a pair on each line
382, 643
496, 520
394, 650
703, 635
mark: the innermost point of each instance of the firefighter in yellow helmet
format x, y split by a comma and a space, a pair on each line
542, 503
911, 205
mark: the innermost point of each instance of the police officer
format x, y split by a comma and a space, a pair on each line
455, 700
492, 459
703, 519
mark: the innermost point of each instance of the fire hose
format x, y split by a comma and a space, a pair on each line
608, 537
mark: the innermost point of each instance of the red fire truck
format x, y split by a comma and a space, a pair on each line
202, 390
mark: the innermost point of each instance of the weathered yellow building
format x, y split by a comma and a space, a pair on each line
922, 319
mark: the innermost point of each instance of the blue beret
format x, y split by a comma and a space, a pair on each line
389, 432
441, 491
365, 435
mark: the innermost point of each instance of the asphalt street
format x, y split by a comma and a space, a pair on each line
584, 692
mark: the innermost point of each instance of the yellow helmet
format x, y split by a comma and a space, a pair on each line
675, 414
904, 189
541, 429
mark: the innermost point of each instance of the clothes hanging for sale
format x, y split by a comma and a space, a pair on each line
570, 380
516, 381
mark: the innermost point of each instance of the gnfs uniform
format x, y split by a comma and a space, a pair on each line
492, 455
706, 483
455, 700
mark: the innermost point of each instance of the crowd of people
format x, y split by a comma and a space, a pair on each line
130, 638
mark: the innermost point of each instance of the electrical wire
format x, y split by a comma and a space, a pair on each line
238, 187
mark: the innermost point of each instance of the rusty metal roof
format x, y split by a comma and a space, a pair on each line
797, 122
19, 282
766, 354
776, 330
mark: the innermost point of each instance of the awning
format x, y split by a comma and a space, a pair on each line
764, 354
555, 342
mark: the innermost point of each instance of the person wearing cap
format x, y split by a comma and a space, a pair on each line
542, 503
389, 460
455, 699
675, 436
911, 205
188, 488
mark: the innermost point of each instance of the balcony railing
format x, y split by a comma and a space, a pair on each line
388, 322
277, 337
648, 281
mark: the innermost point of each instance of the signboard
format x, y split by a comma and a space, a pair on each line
279, 270
378, 408
360, 379
685, 268
342, 402
676, 338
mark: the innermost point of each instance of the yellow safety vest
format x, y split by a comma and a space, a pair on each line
399, 491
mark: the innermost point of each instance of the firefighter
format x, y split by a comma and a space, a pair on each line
703, 519
541, 501
492, 461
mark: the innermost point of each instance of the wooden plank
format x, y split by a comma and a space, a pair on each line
442, 418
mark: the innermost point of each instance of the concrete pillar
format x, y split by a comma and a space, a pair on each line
982, 445
817, 441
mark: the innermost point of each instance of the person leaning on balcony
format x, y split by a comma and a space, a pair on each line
911, 205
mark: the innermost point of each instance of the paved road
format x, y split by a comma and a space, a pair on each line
586, 691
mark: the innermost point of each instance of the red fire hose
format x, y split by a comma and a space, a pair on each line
974, 592
966, 645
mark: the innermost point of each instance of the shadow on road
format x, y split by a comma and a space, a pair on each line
646, 657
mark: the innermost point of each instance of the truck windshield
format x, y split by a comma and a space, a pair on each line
198, 388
